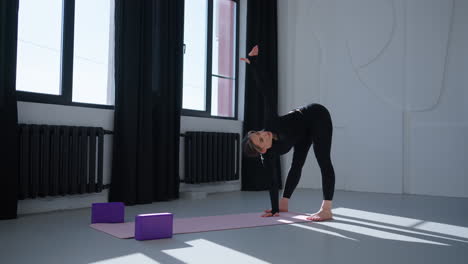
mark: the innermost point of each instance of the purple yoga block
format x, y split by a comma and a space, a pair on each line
107, 212
153, 226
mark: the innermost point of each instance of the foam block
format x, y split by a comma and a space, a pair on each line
153, 226
108, 212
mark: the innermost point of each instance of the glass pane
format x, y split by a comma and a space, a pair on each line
195, 30
91, 78
224, 38
222, 97
39, 45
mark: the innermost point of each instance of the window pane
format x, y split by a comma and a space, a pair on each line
222, 97
224, 37
91, 78
39, 44
195, 30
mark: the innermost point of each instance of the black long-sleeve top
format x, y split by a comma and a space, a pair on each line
290, 130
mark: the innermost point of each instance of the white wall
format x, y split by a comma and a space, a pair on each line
393, 74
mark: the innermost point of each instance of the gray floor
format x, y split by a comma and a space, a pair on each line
368, 228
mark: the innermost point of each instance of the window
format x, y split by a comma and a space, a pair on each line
210, 58
65, 52
38, 59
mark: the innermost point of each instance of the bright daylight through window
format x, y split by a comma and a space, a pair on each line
65, 52
210, 39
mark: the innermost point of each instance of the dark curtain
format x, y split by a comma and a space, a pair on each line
261, 30
8, 110
148, 69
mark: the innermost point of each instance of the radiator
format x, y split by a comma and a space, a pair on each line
211, 157
60, 160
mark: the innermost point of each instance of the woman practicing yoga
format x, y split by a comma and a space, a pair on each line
300, 128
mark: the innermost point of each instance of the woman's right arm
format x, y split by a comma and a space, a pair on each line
258, 73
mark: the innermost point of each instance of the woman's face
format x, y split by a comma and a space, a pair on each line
262, 140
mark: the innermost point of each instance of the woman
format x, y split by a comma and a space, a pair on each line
300, 128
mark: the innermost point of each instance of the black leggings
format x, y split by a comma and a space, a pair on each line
319, 133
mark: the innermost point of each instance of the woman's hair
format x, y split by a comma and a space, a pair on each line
248, 146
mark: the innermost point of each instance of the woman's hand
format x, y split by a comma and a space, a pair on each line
245, 59
254, 51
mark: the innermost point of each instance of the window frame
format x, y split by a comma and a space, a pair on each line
66, 67
209, 72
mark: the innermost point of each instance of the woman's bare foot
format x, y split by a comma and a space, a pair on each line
283, 205
324, 213
321, 215
270, 214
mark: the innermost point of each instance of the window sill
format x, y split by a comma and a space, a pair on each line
55, 99
203, 114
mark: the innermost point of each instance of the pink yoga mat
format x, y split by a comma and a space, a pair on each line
207, 223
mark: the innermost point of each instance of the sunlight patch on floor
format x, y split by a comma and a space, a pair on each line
133, 258
446, 229
396, 229
377, 233
316, 229
377, 217
204, 251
